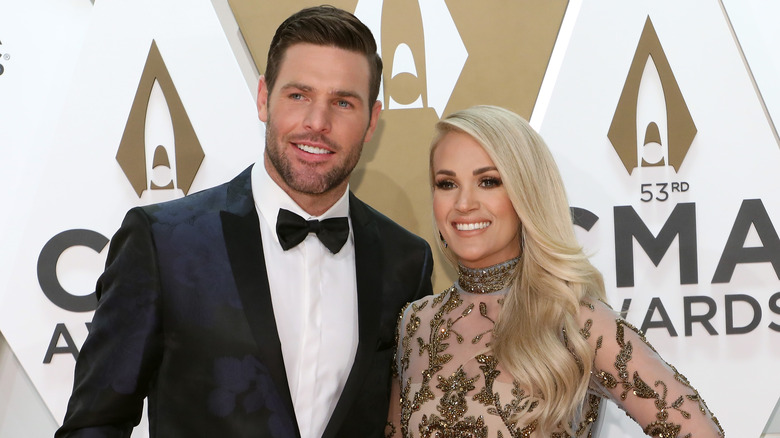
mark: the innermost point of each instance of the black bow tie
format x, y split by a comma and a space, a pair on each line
292, 229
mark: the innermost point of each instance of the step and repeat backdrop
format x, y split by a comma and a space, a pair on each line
663, 117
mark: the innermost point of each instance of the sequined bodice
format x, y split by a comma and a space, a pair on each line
450, 386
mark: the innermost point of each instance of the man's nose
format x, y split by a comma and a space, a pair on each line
318, 117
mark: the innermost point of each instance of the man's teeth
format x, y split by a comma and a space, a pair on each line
312, 149
474, 226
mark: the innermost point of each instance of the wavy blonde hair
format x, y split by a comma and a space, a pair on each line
552, 277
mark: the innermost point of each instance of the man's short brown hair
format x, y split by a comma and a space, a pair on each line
325, 26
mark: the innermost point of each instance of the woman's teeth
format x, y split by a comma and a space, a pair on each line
472, 226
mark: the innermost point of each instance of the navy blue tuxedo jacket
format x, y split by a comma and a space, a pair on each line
185, 318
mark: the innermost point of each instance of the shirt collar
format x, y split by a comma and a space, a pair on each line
269, 198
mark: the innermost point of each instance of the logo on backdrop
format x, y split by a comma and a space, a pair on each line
653, 128
157, 171
650, 130
424, 58
151, 160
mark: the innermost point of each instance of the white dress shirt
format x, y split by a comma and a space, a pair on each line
314, 296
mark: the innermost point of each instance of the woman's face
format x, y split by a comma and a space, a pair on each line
470, 204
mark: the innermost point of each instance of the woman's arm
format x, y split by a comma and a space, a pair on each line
630, 372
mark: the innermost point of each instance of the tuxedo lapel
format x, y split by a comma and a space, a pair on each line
368, 271
241, 229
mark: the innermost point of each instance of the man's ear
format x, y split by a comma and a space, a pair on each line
375, 110
262, 100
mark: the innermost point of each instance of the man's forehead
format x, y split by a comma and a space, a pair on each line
310, 66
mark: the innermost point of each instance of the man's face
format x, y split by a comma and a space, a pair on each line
317, 118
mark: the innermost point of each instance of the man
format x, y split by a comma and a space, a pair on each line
231, 330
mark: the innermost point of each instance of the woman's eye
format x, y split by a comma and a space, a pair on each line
445, 184
490, 182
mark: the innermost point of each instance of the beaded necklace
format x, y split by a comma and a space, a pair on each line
486, 280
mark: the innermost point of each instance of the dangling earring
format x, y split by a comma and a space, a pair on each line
442, 239
522, 240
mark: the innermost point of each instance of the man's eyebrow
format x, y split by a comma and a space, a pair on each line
307, 88
347, 93
297, 86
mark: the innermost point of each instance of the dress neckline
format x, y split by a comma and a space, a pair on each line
486, 280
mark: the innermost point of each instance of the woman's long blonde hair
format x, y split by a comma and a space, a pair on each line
552, 277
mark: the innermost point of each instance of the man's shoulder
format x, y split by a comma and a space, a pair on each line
207, 201
210, 200
385, 226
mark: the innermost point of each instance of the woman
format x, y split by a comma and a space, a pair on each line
522, 345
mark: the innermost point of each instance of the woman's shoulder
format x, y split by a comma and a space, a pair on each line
428, 303
593, 308
595, 314
597, 320
436, 299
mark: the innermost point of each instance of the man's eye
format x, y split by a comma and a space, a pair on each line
296, 96
343, 104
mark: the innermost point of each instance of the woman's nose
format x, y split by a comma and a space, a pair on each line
466, 201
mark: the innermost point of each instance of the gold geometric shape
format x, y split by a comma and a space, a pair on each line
168, 186
403, 88
509, 44
407, 88
257, 21
681, 129
160, 158
652, 134
131, 154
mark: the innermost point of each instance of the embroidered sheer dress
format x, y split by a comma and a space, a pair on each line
449, 386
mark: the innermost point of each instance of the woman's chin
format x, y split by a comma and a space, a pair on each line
477, 262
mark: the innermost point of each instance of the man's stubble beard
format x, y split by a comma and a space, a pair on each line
311, 183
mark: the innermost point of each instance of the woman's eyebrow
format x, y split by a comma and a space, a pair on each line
484, 169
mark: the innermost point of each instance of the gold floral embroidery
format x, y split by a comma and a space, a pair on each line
451, 420
662, 427
585, 331
450, 417
389, 430
488, 398
453, 406
590, 418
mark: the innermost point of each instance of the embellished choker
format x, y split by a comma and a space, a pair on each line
486, 280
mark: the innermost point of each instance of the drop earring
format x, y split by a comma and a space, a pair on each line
522, 240
442, 239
